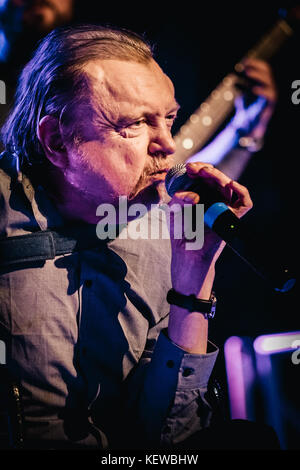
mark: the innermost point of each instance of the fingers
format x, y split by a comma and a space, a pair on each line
243, 202
260, 76
212, 176
194, 168
184, 197
221, 182
270, 95
256, 63
201, 168
261, 72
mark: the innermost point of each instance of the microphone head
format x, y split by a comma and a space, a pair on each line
177, 179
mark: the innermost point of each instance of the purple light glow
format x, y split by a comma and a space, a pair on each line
268, 352
234, 369
279, 342
214, 152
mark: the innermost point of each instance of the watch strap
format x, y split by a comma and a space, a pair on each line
192, 303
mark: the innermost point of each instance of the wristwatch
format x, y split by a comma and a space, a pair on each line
190, 302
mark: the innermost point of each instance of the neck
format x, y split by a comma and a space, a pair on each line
73, 204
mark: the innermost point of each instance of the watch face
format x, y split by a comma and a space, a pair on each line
213, 311
213, 306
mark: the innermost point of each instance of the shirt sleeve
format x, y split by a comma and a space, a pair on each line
171, 403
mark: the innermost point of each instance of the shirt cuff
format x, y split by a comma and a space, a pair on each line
192, 370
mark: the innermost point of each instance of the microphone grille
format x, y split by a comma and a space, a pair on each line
171, 177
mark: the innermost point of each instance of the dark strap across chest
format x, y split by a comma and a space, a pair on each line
45, 245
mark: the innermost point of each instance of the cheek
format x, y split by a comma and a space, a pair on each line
120, 163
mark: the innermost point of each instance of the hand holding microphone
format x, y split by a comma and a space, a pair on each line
193, 271
222, 216
187, 185
210, 184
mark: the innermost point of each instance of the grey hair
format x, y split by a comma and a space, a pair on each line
54, 79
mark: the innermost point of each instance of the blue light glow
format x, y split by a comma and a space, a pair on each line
3, 46
3, 4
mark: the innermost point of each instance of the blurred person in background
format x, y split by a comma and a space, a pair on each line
22, 24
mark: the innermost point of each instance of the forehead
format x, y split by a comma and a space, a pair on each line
129, 84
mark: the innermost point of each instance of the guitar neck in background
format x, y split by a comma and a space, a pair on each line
210, 115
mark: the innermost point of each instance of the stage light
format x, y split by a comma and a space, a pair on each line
279, 342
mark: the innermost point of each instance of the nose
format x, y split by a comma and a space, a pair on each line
161, 141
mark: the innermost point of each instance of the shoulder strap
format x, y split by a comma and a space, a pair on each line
44, 245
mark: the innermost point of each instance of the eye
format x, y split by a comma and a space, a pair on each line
171, 118
137, 124
132, 129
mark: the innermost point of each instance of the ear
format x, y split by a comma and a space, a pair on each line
49, 135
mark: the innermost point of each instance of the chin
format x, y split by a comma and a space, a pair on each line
153, 194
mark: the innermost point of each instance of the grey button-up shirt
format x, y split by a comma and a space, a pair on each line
86, 334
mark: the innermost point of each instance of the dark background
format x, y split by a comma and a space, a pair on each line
197, 45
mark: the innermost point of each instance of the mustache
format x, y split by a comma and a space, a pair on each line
157, 164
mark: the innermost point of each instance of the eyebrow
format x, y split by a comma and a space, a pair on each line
172, 109
123, 120
176, 107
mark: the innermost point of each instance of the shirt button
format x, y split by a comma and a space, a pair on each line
170, 364
187, 371
88, 283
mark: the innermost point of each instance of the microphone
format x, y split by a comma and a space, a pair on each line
230, 228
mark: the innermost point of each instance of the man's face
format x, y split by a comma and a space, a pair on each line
127, 147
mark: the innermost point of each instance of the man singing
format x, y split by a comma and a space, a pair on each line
102, 359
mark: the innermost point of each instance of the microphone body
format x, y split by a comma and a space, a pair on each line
220, 218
